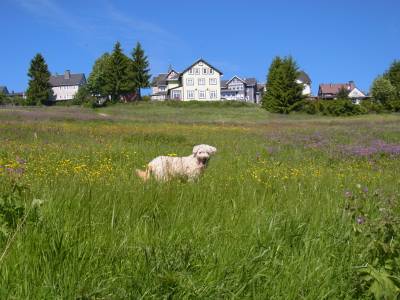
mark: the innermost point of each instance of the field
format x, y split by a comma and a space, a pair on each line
291, 207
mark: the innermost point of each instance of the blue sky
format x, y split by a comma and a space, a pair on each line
333, 41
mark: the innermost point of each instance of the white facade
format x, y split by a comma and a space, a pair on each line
306, 88
200, 82
64, 92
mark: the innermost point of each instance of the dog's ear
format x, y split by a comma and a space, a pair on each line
195, 150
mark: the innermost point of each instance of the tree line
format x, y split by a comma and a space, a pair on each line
114, 77
284, 95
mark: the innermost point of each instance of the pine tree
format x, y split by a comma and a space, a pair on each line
39, 89
117, 77
282, 91
140, 69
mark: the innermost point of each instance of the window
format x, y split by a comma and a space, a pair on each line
190, 94
213, 81
202, 94
189, 81
213, 94
196, 71
204, 71
211, 71
201, 81
176, 95
191, 71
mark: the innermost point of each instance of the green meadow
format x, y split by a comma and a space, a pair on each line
290, 207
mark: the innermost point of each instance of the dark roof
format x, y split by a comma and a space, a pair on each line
201, 60
160, 79
334, 88
304, 78
176, 77
260, 86
251, 81
3, 89
247, 81
223, 83
63, 80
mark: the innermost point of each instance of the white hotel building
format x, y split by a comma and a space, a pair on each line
200, 81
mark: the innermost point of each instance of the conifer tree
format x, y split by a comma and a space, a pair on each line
39, 89
140, 69
118, 81
282, 91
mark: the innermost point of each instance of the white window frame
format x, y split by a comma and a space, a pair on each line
190, 94
191, 71
202, 92
211, 71
196, 71
190, 81
174, 93
201, 81
205, 71
213, 81
213, 94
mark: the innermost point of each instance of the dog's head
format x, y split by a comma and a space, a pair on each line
203, 152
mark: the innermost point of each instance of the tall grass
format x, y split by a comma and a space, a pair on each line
267, 219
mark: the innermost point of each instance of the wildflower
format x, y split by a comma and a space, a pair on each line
348, 194
365, 190
360, 220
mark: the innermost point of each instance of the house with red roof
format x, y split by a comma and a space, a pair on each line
331, 90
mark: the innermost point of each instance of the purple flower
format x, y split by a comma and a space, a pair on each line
365, 189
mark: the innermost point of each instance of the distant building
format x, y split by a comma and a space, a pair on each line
330, 91
305, 80
200, 81
3, 89
66, 86
239, 89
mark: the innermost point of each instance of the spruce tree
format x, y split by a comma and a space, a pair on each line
39, 89
140, 69
117, 77
282, 91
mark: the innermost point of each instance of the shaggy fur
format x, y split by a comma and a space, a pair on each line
164, 168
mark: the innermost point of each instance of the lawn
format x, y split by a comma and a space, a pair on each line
290, 206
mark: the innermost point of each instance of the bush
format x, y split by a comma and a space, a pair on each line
83, 96
372, 106
342, 108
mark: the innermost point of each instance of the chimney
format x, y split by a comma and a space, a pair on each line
67, 74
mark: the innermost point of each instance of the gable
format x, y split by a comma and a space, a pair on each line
235, 81
356, 93
200, 64
173, 75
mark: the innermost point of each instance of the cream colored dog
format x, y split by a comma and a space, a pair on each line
164, 168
